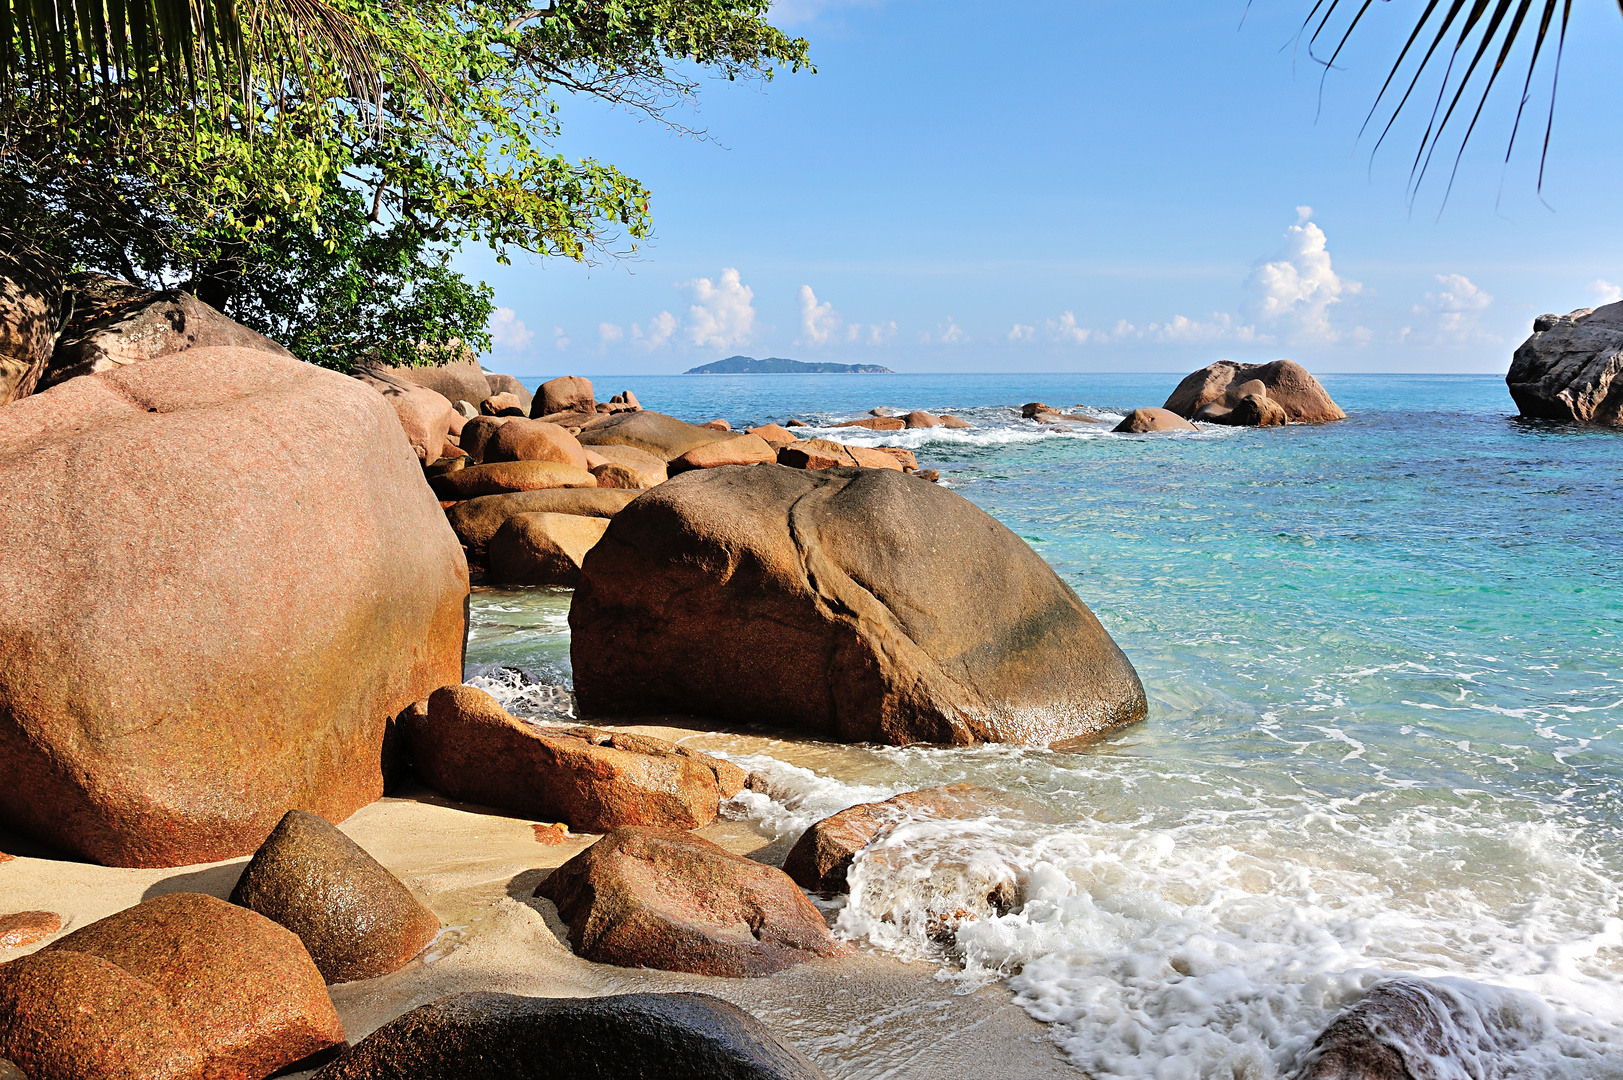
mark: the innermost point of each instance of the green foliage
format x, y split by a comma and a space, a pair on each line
265, 158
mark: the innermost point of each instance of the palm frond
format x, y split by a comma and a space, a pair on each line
1472, 41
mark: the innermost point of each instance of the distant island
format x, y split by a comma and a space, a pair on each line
777, 365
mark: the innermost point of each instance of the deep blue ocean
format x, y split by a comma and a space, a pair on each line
1385, 665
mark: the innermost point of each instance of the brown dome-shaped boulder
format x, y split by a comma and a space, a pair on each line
567, 393
533, 440
1288, 384
425, 416
220, 541
468, 748
742, 449
354, 917
898, 612
241, 986
458, 380
666, 437
543, 549
661, 899
1143, 421
1568, 370
477, 521
504, 1037
1400, 1030
506, 384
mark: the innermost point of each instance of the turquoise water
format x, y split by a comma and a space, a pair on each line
1386, 727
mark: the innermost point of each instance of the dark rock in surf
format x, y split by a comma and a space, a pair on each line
355, 918
1568, 370
669, 900
1400, 1030
943, 625
506, 1037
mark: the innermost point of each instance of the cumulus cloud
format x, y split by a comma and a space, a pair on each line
818, 322
608, 333
879, 333
1296, 288
507, 331
660, 329
558, 338
1065, 330
723, 312
1179, 330
947, 333
1021, 332
1605, 292
1451, 315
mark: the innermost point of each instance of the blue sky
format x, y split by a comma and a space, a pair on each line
1078, 187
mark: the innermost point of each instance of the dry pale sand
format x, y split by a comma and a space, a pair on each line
858, 1016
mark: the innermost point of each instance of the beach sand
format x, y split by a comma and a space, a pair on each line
858, 1016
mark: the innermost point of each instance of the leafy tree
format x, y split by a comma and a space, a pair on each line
244, 156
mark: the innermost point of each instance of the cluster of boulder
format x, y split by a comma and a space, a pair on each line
1239, 395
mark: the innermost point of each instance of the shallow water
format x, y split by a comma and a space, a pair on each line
1386, 725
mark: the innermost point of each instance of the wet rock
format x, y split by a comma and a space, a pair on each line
932, 475
1031, 410
826, 454
774, 433
957, 632
543, 549
918, 418
143, 326
1143, 421
569, 393
503, 405
822, 856
355, 918
504, 477
468, 748
644, 897
882, 410
534, 440
665, 437
477, 521
877, 423
178, 481
1288, 384
955, 422
795, 423
244, 988
739, 450
504, 1037
1568, 370
459, 380
69, 1016
424, 415
1252, 410
1405, 1029
506, 384
26, 927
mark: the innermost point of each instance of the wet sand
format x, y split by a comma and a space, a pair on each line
858, 1016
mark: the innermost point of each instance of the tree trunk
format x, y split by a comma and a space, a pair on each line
218, 281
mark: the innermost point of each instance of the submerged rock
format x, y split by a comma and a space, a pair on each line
1405, 1029
543, 549
478, 520
183, 981
668, 900
939, 624
504, 1037
468, 748
666, 437
822, 856
1568, 370
1286, 383
955, 422
354, 917
1250, 410
195, 569
1143, 421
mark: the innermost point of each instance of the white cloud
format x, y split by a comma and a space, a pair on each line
880, 333
558, 338
660, 329
1451, 316
1179, 330
608, 333
1605, 292
1296, 288
507, 331
949, 333
723, 314
1066, 330
818, 322
1021, 332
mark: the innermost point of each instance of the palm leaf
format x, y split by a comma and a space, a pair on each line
1457, 36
